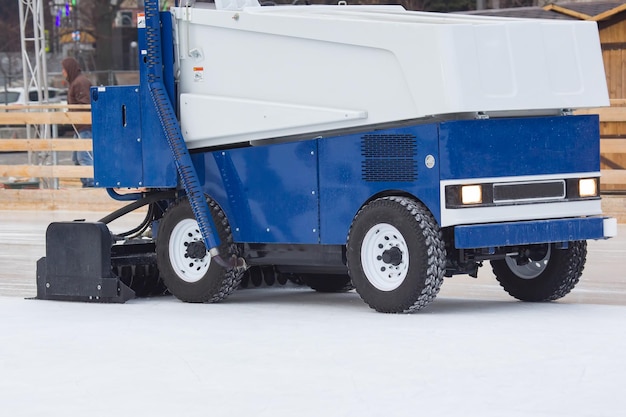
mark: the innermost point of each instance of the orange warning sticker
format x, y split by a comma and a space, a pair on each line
141, 20
198, 74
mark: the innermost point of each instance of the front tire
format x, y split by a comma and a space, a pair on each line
550, 276
396, 255
184, 263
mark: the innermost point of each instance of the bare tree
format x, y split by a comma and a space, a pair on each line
10, 58
102, 16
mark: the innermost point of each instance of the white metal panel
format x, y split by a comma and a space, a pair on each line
384, 61
224, 115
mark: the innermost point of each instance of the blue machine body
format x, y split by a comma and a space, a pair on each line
308, 191
131, 145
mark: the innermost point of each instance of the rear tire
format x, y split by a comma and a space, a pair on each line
547, 278
184, 263
396, 255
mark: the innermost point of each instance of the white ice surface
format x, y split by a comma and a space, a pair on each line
292, 352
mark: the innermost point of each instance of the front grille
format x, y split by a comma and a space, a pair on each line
519, 192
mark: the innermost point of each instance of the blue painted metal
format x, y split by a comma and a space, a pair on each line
282, 193
130, 147
269, 193
123, 197
309, 191
116, 125
344, 187
159, 169
527, 232
528, 146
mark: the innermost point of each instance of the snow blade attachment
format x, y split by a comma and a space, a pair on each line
77, 265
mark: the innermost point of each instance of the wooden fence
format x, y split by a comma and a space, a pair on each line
16, 115
71, 195
612, 144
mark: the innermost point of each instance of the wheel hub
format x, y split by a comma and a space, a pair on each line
195, 250
392, 256
384, 257
187, 251
531, 264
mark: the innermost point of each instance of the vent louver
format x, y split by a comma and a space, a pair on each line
388, 158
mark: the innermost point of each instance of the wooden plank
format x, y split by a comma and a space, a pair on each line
612, 146
45, 118
609, 13
607, 114
613, 176
82, 199
563, 10
614, 206
46, 171
45, 144
28, 107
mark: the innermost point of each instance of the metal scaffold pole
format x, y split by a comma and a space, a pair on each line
34, 68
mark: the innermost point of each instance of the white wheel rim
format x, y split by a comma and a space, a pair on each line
532, 269
188, 269
377, 244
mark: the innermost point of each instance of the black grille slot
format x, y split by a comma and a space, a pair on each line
388, 158
529, 191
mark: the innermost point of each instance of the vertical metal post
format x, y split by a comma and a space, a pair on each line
34, 66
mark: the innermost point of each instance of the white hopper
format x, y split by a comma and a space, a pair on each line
266, 72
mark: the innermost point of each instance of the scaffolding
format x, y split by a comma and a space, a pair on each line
34, 69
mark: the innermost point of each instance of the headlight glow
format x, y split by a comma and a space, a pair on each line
471, 194
588, 187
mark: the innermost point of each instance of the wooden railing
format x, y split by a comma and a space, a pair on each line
15, 115
64, 191
612, 144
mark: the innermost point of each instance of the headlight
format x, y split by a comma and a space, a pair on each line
471, 194
588, 187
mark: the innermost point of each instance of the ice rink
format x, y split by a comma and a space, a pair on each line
292, 352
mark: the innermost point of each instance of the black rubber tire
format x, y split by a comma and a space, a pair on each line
328, 283
561, 274
424, 247
216, 283
269, 275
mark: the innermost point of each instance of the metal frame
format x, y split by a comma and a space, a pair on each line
34, 67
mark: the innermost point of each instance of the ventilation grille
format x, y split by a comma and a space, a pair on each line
388, 158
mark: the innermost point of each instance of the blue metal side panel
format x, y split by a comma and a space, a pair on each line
269, 193
116, 125
159, 170
345, 184
530, 232
521, 146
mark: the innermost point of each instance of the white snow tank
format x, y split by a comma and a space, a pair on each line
267, 72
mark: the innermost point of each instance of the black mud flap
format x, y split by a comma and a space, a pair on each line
77, 265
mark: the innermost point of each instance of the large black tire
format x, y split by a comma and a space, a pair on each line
552, 275
184, 263
328, 283
396, 255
